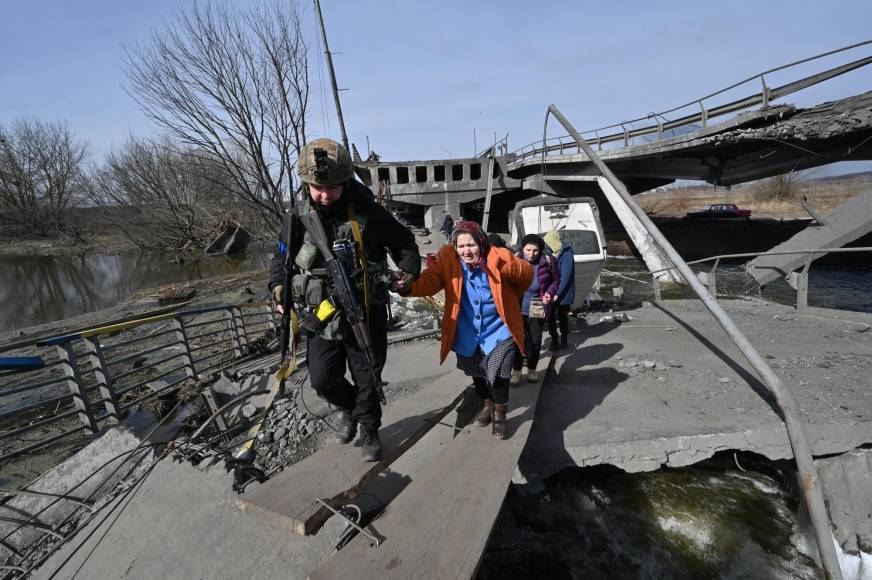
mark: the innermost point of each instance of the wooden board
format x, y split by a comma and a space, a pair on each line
439, 525
336, 473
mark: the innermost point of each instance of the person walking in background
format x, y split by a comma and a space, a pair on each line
447, 226
481, 321
496, 241
536, 303
565, 292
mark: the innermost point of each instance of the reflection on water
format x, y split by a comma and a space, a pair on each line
38, 289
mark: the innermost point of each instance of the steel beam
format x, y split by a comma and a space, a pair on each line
808, 478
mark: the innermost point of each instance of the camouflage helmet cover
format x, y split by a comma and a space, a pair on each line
324, 162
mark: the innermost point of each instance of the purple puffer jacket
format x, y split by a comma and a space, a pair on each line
548, 276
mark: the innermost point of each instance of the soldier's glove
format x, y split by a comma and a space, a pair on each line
277, 293
401, 282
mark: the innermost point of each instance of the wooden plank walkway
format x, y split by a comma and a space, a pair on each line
336, 473
439, 525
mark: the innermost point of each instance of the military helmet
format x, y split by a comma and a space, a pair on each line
324, 162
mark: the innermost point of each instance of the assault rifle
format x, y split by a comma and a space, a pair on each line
344, 294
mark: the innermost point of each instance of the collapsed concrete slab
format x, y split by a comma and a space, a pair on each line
846, 223
118, 455
696, 395
846, 481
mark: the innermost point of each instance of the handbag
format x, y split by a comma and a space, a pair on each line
537, 308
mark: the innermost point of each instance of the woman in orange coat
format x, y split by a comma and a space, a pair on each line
482, 321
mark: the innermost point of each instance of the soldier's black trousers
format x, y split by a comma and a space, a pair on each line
327, 361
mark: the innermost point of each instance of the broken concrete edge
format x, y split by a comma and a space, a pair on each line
634, 456
119, 455
846, 480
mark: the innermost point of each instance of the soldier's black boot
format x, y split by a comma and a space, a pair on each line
347, 428
564, 341
370, 444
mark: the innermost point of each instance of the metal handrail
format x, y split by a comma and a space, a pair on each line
81, 355
809, 482
765, 97
777, 253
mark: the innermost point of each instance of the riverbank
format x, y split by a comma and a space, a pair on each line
17, 244
224, 289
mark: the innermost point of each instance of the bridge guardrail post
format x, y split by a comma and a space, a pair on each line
270, 312
102, 376
234, 333
239, 326
802, 291
799, 282
713, 280
765, 93
182, 338
73, 379
703, 114
655, 282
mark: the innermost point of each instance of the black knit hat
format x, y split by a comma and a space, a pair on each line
535, 239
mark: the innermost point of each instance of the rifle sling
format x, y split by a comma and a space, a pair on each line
358, 237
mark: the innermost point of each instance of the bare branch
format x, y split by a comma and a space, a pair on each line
231, 84
40, 173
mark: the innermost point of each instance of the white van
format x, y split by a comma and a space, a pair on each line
577, 218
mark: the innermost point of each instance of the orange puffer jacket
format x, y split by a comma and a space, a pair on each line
509, 278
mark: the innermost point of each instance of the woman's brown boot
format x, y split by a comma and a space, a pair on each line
486, 414
499, 429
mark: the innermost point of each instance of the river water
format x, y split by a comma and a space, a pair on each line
38, 289
726, 520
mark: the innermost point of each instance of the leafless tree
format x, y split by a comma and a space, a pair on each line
40, 170
233, 84
161, 195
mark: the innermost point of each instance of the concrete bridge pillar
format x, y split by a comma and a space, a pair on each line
651, 253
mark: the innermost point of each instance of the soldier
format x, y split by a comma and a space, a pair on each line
363, 231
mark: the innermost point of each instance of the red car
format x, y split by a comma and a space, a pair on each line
720, 210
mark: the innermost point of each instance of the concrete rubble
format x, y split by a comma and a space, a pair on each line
847, 484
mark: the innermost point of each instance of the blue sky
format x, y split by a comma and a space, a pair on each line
422, 75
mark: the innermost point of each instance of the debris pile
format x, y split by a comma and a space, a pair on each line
292, 431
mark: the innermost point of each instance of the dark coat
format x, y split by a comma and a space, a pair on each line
566, 263
383, 234
548, 276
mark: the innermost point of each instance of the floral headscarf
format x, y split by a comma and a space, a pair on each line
474, 230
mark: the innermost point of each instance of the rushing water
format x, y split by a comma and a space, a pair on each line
38, 289
690, 523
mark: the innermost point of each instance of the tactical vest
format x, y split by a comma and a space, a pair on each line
312, 284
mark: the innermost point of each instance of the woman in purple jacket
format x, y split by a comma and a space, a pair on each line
536, 304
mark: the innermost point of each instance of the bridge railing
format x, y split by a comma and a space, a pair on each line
84, 379
657, 124
796, 279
